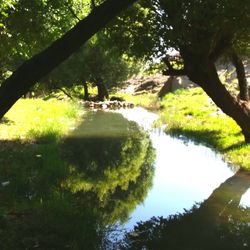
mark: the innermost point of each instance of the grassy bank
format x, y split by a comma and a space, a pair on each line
32, 118
192, 114
29, 137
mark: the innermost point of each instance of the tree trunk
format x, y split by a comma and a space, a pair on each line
41, 64
102, 91
86, 91
205, 75
167, 87
240, 71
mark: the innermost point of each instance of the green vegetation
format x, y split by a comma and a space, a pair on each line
31, 166
192, 114
31, 118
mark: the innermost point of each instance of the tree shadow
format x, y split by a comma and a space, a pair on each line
234, 147
208, 138
203, 137
6, 121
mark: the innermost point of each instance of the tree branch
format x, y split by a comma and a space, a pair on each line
72, 11
171, 71
41, 64
241, 75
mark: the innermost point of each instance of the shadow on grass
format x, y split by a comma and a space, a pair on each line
234, 147
6, 121
204, 137
210, 138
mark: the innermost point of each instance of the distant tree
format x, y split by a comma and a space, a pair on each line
97, 63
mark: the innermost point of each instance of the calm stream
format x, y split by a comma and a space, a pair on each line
185, 173
168, 177
119, 173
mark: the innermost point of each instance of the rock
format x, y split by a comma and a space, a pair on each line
108, 104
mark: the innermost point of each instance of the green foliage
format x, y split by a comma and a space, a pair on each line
95, 61
135, 31
27, 27
202, 27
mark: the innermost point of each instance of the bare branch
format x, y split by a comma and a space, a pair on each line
72, 11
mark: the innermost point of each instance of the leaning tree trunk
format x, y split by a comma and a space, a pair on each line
41, 64
205, 75
240, 71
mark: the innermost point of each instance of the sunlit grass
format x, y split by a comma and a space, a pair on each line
30, 139
30, 118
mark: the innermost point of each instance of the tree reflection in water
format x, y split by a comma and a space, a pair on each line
108, 171
217, 223
115, 166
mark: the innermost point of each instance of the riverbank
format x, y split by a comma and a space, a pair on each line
191, 114
188, 114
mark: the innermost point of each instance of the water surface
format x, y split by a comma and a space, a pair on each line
185, 173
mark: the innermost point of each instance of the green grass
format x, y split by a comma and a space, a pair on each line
30, 118
192, 114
